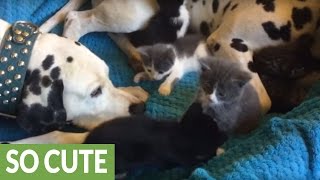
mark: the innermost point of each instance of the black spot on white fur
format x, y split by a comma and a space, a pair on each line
77, 43
226, 7
33, 82
204, 28
46, 81
55, 73
234, 7
238, 45
300, 17
215, 6
274, 33
268, 5
48, 62
69, 59
37, 119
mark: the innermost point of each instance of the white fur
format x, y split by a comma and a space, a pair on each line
106, 16
80, 78
185, 18
213, 97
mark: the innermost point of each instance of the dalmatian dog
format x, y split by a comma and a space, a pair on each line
235, 28
67, 82
238, 28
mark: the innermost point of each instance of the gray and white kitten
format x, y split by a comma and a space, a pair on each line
172, 60
227, 96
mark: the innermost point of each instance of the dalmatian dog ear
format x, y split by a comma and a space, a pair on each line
41, 109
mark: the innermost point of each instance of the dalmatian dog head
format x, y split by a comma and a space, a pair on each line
66, 82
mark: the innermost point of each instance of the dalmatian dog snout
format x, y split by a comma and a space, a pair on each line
65, 82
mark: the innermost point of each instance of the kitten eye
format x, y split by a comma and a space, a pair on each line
149, 70
96, 92
161, 72
221, 94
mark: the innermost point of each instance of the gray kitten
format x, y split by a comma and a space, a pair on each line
227, 96
172, 60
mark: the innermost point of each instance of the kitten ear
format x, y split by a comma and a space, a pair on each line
170, 54
204, 63
242, 79
143, 50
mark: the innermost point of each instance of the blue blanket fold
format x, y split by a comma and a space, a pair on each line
283, 147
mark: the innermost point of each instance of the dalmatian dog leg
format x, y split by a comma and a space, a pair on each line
60, 15
108, 16
55, 137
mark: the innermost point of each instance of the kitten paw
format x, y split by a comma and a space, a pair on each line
165, 90
138, 77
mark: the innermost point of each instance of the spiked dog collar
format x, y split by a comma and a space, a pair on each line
15, 53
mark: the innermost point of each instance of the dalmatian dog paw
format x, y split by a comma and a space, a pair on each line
165, 90
72, 27
137, 91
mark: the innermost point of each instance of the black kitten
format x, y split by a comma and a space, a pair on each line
170, 23
142, 141
288, 61
227, 96
287, 72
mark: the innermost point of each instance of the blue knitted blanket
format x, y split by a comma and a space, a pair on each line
283, 147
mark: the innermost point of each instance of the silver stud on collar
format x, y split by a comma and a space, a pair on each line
15, 89
19, 39
10, 68
1, 85
8, 81
14, 55
24, 51
5, 102
25, 34
28, 43
3, 59
21, 63
6, 93
2, 73
17, 76
9, 38
7, 47
14, 99
17, 31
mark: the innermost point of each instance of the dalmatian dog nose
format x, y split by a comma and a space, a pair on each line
136, 109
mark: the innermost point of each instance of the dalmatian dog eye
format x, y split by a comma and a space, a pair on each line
96, 92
